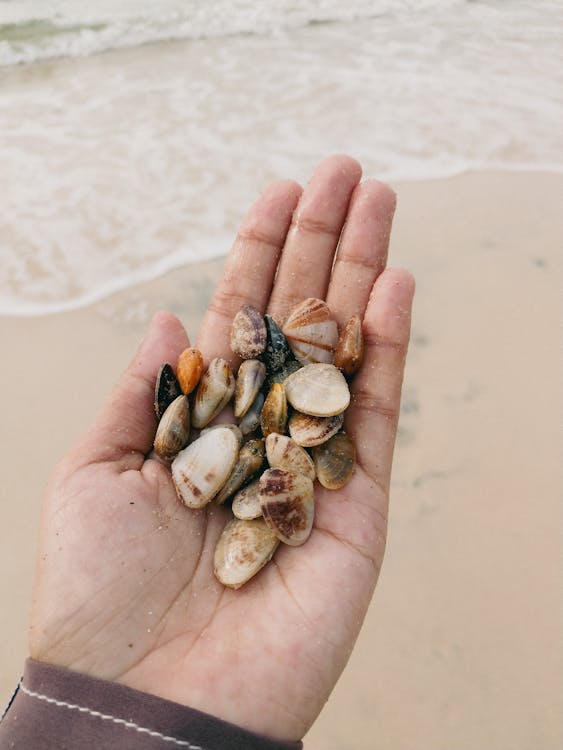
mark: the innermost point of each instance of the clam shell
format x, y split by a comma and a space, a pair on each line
250, 377
248, 333
350, 349
288, 506
189, 369
335, 461
284, 453
246, 503
277, 349
166, 389
233, 427
309, 431
215, 389
318, 389
173, 429
249, 462
273, 417
201, 469
311, 332
243, 549
251, 420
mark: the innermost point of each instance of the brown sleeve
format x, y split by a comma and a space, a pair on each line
56, 709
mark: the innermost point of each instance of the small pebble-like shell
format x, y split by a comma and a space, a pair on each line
166, 389
291, 365
246, 503
335, 461
243, 549
251, 420
249, 462
318, 389
235, 429
189, 369
173, 429
201, 469
350, 349
215, 389
288, 505
248, 333
277, 349
273, 417
311, 332
251, 375
284, 453
309, 431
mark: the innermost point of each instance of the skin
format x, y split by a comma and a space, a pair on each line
124, 585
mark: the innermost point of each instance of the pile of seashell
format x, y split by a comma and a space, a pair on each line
291, 379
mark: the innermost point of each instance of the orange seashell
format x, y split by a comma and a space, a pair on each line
311, 332
350, 349
190, 367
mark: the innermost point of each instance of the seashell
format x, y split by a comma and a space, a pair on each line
243, 549
201, 469
350, 349
318, 389
335, 461
288, 506
233, 427
311, 332
284, 453
291, 365
166, 389
248, 333
251, 375
251, 420
189, 369
214, 391
273, 417
173, 430
249, 462
246, 503
277, 349
309, 431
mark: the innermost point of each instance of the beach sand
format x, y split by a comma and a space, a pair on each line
461, 647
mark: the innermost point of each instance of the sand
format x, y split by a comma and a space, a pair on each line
461, 647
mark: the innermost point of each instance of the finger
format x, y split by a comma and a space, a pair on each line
308, 254
251, 266
362, 252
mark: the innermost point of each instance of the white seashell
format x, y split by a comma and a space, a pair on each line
243, 549
288, 505
246, 503
318, 389
214, 391
235, 429
251, 420
284, 453
251, 375
309, 431
311, 332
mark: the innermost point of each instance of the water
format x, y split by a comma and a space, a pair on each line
116, 167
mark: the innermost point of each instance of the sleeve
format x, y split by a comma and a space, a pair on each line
57, 709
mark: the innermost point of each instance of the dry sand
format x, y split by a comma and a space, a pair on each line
461, 647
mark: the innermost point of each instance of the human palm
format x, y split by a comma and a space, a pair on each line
125, 587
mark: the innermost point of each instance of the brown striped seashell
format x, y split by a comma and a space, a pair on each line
248, 333
243, 549
235, 429
215, 389
311, 332
309, 431
350, 349
249, 462
251, 375
173, 429
166, 389
284, 453
318, 389
273, 417
288, 505
335, 461
246, 503
200, 470
189, 369
251, 420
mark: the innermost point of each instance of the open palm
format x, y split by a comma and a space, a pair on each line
125, 587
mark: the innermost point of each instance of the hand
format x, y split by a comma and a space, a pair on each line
125, 588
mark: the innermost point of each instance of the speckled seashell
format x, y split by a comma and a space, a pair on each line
318, 389
248, 333
288, 507
335, 461
251, 420
173, 429
309, 431
311, 332
189, 369
284, 453
291, 365
235, 429
249, 462
166, 389
243, 549
273, 417
200, 470
215, 389
250, 376
277, 349
246, 503
350, 349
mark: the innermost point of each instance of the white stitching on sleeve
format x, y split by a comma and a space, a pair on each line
107, 717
